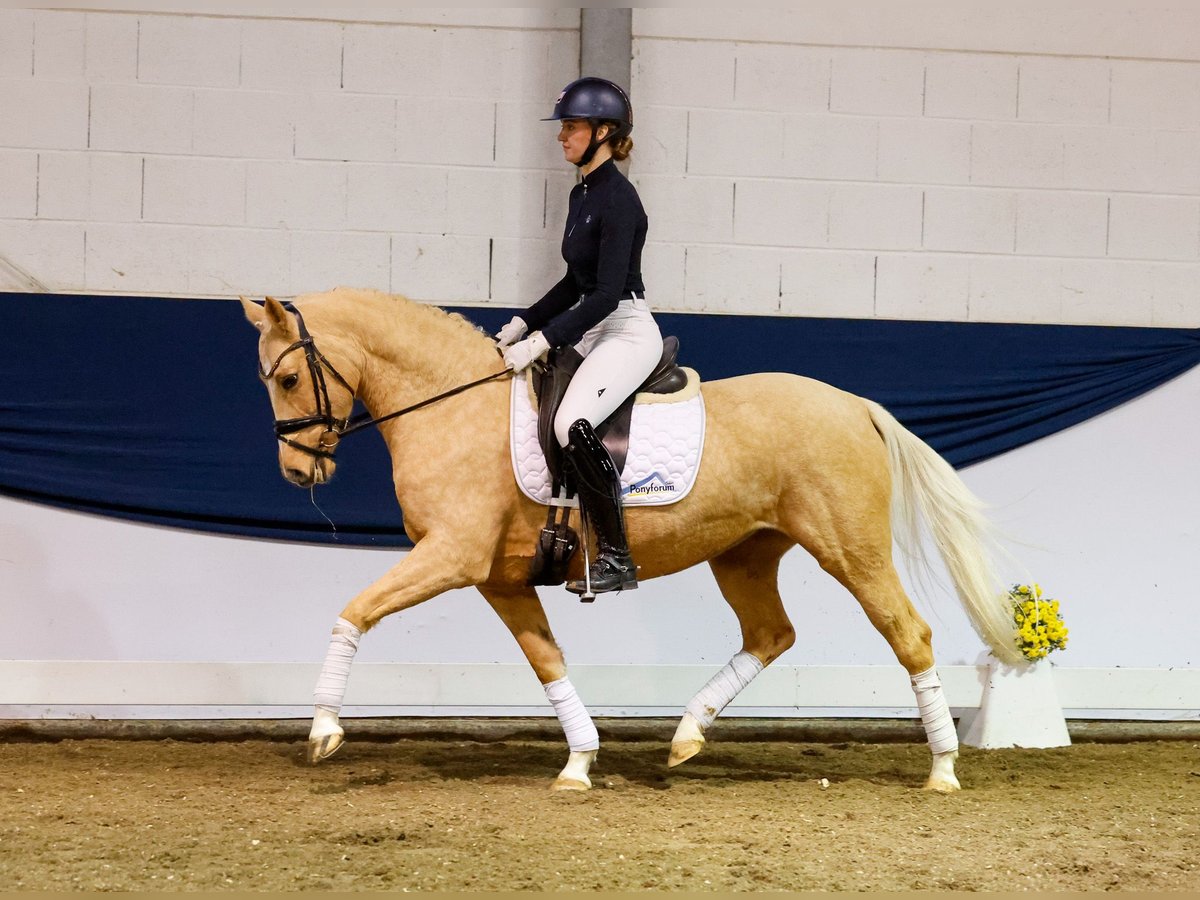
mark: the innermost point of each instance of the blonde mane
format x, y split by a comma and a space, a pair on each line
426, 317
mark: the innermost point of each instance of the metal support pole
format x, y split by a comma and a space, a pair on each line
606, 48
606, 44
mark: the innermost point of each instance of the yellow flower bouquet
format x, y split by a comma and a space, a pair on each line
1040, 629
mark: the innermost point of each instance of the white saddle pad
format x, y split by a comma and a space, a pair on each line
666, 437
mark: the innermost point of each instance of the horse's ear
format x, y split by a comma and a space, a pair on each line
277, 317
255, 314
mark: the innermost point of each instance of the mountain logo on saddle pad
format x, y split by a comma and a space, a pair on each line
654, 483
600, 393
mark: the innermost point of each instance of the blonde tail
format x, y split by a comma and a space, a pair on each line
926, 486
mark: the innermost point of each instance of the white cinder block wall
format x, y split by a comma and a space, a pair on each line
947, 163
197, 155
938, 163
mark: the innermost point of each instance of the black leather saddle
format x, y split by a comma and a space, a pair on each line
550, 384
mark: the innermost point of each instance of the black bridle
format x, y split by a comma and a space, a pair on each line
335, 428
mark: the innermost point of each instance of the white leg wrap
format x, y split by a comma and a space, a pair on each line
331, 685
576, 723
935, 713
723, 687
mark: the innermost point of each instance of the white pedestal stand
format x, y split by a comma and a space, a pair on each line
1019, 708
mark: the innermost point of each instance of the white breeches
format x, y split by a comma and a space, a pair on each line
619, 354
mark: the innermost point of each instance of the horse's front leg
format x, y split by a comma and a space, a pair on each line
521, 610
432, 567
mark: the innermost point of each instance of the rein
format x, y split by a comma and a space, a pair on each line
336, 428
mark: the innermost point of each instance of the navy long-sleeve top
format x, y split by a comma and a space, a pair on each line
602, 244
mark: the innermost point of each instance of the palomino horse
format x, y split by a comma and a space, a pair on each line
815, 466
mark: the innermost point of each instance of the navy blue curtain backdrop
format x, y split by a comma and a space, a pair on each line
150, 409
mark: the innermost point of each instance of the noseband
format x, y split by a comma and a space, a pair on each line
336, 428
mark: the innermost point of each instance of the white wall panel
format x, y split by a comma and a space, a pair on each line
16, 43
346, 126
1015, 289
1004, 155
523, 269
134, 258
774, 212
291, 56
296, 195
1154, 30
696, 75
202, 52
427, 110
1116, 291
18, 184
440, 267
198, 191
498, 201
727, 279
58, 45
49, 114
1155, 95
833, 283
221, 259
1147, 227
728, 142
923, 286
1062, 223
1064, 89
322, 260
1174, 304
447, 130
875, 216
41, 247
110, 47
834, 147
782, 78
924, 151
689, 209
971, 86
877, 82
92, 186
663, 269
397, 198
1130, 159
140, 118
970, 219
245, 124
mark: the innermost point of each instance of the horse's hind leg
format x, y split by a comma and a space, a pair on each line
748, 578
891, 612
521, 610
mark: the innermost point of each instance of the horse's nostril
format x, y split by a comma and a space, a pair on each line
299, 476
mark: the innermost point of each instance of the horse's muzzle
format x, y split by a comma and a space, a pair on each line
307, 476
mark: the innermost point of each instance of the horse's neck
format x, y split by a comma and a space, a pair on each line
410, 354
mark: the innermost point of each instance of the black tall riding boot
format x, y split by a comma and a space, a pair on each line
599, 486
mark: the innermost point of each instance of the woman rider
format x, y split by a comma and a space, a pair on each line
599, 307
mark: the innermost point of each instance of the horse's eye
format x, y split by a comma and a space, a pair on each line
289, 381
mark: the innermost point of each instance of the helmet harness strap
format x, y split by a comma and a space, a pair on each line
593, 144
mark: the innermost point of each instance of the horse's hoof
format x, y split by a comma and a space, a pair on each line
682, 751
942, 785
562, 783
574, 775
323, 747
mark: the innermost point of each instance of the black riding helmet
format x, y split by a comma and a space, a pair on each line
600, 101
